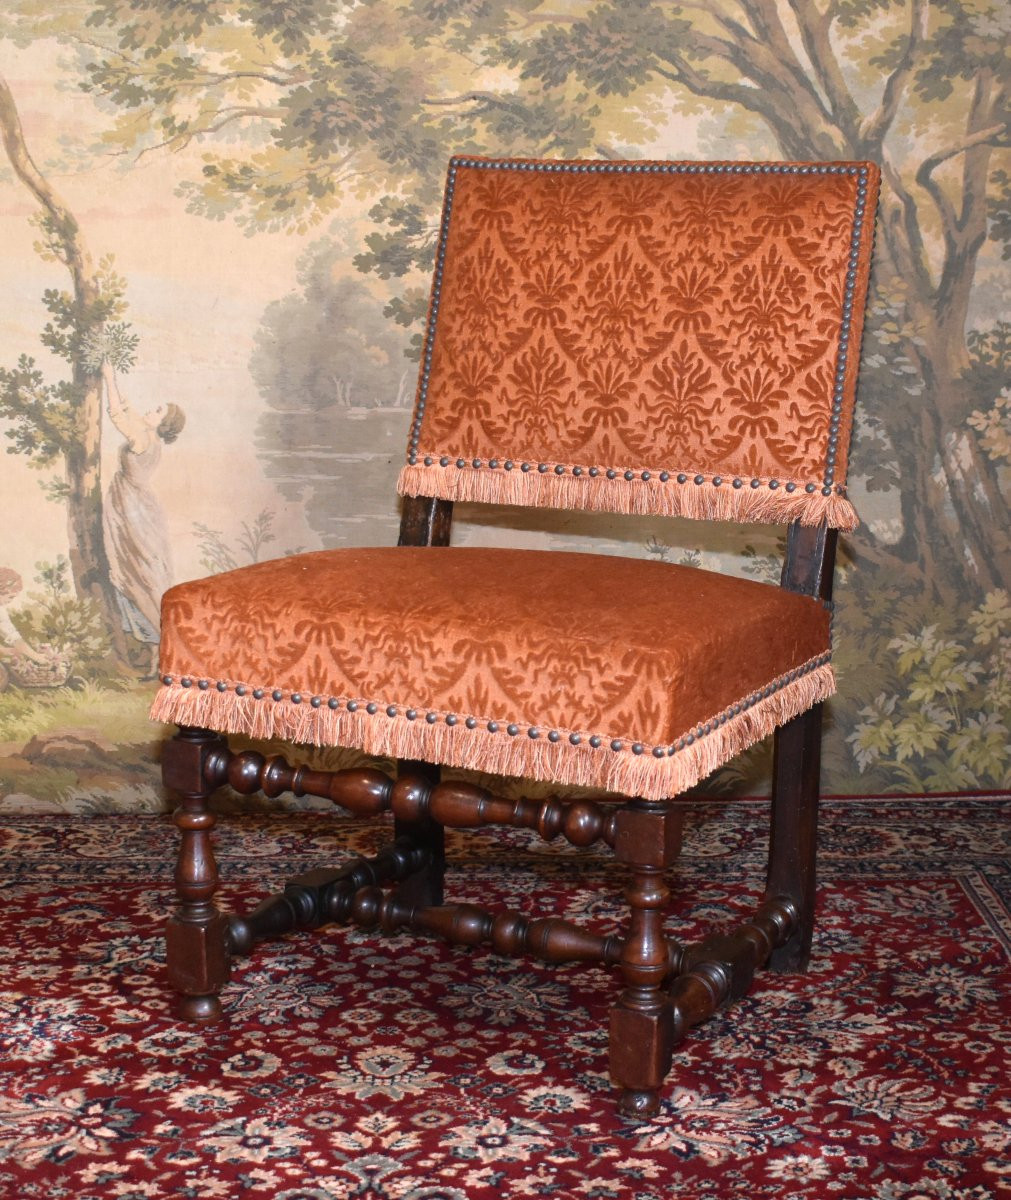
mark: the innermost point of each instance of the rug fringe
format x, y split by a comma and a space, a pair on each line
459, 741
706, 500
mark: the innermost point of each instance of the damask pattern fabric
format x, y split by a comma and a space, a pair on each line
646, 337
621, 674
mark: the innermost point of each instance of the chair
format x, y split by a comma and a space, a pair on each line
651, 337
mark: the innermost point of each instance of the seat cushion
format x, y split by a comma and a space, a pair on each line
627, 675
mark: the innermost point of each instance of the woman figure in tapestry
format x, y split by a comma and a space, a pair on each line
136, 532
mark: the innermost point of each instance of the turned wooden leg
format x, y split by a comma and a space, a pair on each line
793, 836
643, 1033
196, 936
415, 781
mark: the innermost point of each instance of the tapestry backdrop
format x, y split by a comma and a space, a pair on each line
218, 227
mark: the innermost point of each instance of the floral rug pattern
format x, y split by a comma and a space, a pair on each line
399, 1069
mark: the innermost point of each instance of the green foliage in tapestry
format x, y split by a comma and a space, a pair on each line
931, 706
53, 617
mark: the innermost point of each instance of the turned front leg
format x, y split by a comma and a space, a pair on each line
196, 936
643, 1034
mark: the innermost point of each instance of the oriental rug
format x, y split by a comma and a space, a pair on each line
389, 1068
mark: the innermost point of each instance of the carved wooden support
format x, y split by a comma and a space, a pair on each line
323, 896
551, 939
425, 886
810, 560
808, 568
355, 894
728, 961
466, 806
643, 1029
793, 834
414, 799
425, 521
196, 936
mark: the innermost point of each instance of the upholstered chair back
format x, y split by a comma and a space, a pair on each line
648, 337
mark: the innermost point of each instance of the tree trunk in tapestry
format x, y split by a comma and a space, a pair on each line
64, 420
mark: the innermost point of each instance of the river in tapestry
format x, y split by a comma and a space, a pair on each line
218, 229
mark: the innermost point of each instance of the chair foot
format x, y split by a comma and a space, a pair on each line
198, 959
200, 1010
639, 1104
794, 957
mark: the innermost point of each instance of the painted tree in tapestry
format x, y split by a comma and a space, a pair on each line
52, 422
303, 107
111, 582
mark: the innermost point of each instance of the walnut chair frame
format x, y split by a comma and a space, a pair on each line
666, 987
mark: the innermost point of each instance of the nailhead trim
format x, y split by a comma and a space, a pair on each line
512, 728
631, 474
829, 486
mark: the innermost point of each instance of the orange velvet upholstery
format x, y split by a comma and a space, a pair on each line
622, 674
641, 337
680, 338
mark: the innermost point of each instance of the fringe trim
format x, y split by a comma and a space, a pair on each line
699, 496
499, 748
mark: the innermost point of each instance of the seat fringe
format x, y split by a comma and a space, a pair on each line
626, 771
